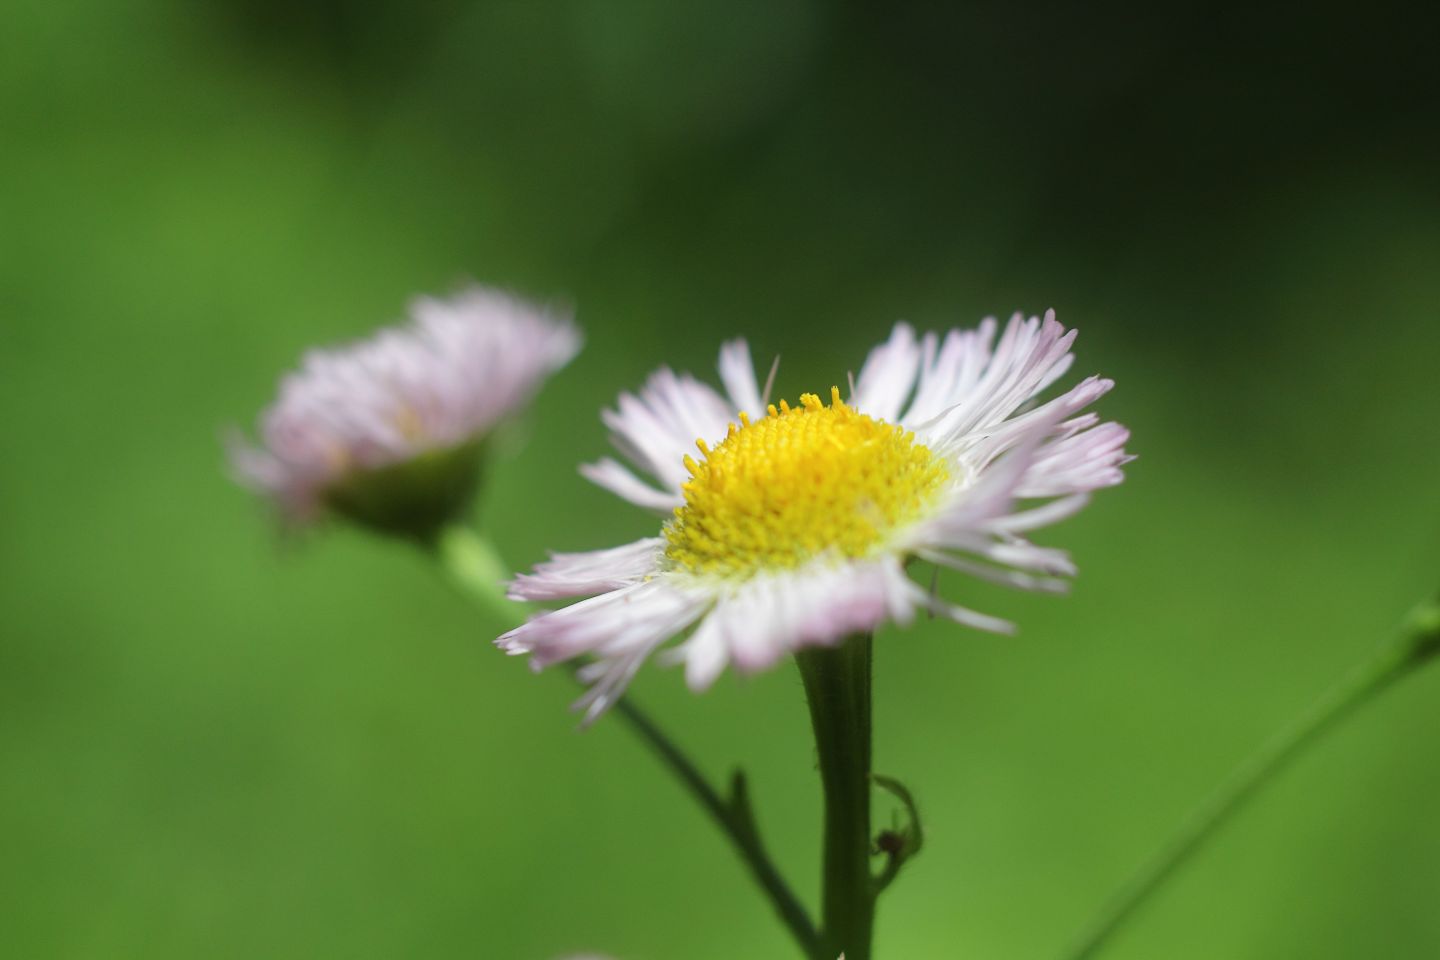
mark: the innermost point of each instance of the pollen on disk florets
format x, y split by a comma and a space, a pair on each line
799, 484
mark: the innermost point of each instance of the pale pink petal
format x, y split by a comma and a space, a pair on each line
949, 374
657, 428
618, 480
771, 616
619, 630
1031, 354
1049, 421
737, 372
1078, 463
888, 375
999, 575
586, 574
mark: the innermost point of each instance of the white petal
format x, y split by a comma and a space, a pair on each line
614, 477
1009, 578
766, 618
971, 618
601, 625
608, 679
995, 488
586, 574
1030, 356
658, 427
1029, 556
1042, 516
1049, 421
705, 654
737, 372
949, 374
1083, 461
888, 375
619, 629
983, 520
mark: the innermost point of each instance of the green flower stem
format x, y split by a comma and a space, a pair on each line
736, 819
1417, 644
474, 567
837, 686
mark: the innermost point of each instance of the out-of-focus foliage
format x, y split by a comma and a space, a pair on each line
216, 744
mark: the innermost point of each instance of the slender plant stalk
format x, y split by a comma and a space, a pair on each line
1416, 645
735, 818
837, 686
474, 567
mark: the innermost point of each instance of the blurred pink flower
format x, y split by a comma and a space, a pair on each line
430, 389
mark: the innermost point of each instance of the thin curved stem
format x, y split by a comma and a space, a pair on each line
735, 817
474, 567
1417, 644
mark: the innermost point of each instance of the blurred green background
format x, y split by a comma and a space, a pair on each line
213, 743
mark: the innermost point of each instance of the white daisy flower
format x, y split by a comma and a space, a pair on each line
792, 527
389, 431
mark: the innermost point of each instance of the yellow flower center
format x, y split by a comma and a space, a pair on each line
799, 484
